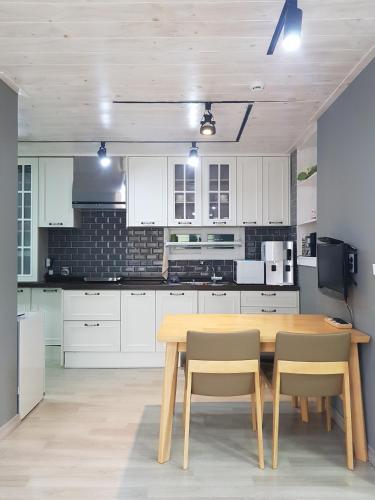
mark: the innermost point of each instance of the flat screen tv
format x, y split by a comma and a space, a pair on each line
333, 272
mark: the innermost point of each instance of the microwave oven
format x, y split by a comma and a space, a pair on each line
248, 272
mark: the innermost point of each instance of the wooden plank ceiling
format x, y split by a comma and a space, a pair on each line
71, 58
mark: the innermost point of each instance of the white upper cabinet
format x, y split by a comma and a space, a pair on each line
184, 193
219, 191
249, 191
55, 192
276, 191
147, 191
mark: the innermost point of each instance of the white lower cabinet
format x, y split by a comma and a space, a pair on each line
267, 302
174, 302
268, 310
49, 301
23, 300
219, 302
138, 321
92, 336
101, 305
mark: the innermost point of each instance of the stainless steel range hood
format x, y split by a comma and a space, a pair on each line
98, 187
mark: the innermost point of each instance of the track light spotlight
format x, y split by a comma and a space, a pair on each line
104, 160
208, 122
193, 160
291, 20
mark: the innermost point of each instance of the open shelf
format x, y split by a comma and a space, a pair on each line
186, 244
306, 261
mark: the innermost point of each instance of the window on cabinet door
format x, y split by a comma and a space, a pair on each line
24, 219
219, 185
184, 191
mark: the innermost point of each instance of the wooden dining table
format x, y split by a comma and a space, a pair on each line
173, 331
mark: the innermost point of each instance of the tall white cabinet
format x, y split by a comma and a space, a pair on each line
147, 204
276, 191
249, 191
55, 193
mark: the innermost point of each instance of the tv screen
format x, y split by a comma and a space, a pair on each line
332, 268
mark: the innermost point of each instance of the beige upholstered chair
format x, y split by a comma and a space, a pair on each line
312, 365
223, 364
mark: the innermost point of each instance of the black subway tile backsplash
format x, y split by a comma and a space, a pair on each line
104, 246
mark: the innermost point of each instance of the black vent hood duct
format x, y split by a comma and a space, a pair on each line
99, 187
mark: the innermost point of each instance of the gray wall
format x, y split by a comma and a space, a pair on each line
8, 247
346, 210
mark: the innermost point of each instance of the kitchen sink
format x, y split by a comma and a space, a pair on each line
201, 283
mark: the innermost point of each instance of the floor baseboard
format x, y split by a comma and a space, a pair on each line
9, 426
339, 419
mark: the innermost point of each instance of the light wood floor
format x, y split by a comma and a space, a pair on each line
95, 437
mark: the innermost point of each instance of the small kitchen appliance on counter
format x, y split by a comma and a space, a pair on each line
248, 272
278, 257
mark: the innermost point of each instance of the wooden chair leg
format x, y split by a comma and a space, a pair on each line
174, 388
328, 414
262, 389
319, 405
294, 401
258, 406
276, 415
304, 409
187, 422
184, 403
348, 422
253, 413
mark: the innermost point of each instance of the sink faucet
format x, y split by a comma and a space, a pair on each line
213, 276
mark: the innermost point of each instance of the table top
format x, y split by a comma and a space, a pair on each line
174, 327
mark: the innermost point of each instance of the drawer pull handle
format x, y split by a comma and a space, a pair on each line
148, 223
176, 294
49, 290
19, 291
138, 294
218, 222
184, 222
275, 222
218, 294
269, 310
249, 222
268, 294
92, 293
92, 324
55, 223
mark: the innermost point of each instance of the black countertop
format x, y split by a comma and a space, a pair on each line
151, 284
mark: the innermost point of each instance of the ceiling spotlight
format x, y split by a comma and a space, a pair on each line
291, 20
104, 160
208, 122
193, 160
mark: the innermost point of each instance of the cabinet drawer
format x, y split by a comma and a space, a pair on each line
269, 310
92, 336
92, 304
219, 302
268, 298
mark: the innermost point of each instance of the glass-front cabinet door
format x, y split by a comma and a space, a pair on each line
184, 193
27, 210
219, 185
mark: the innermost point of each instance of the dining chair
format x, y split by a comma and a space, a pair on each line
315, 365
223, 365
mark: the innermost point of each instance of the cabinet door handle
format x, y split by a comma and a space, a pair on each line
92, 324
148, 223
219, 222
92, 293
49, 290
218, 294
275, 222
249, 222
268, 294
269, 310
138, 294
19, 291
55, 223
186, 222
176, 294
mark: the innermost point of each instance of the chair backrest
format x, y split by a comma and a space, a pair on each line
312, 347
223, 347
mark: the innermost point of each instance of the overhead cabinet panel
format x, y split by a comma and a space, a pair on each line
55, 193
276, 191
249, 191
147, 191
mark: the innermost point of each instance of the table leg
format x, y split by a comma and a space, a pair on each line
166, 415
359, 429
